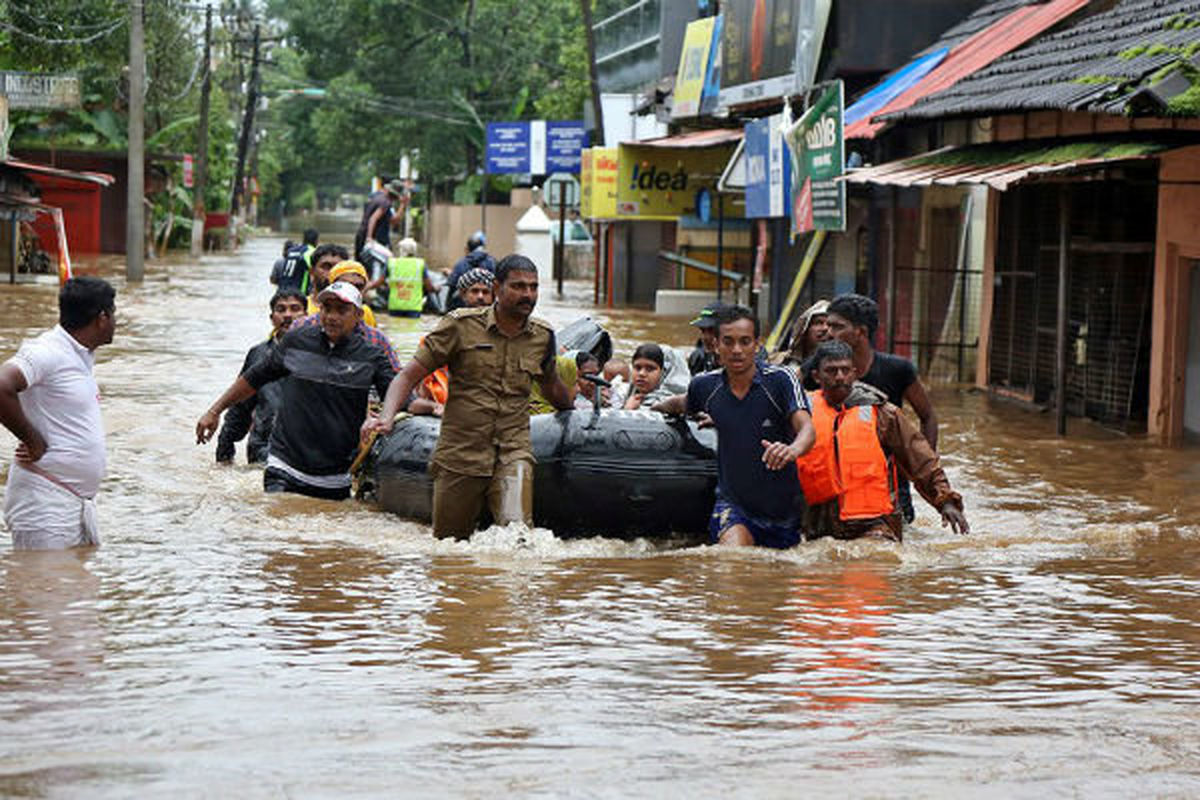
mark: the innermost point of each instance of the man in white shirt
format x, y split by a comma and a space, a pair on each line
49, 400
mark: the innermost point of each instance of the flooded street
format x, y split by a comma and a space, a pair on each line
227, 643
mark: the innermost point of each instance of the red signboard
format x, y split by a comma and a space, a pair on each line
187, 170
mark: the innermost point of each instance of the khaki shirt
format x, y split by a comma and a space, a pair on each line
486, 421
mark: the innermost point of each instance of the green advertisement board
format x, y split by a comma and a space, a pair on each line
818, 159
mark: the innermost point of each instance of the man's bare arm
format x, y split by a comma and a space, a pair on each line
675, 405
12, 383
238, 391
372, 221
777, 455
554, 390
397, 394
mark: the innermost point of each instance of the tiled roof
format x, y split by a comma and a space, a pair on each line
1006, 33
983, 17
1095, 65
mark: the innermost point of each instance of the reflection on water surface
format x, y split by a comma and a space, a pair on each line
227, 643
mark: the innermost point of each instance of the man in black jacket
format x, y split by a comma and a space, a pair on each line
329, 371
256, 415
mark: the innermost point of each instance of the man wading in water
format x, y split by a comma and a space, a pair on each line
50, 402
494, 355
763, 425
328, 372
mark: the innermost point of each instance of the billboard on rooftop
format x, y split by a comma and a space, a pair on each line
769, 48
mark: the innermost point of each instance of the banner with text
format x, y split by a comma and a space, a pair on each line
534, 147
818, 158
665, 182
768, 169
694, 60
598, 176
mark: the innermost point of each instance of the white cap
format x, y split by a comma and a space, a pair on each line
342, 291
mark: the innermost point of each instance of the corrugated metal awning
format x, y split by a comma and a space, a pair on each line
1001, 166
101, 178
974, 54
695, 140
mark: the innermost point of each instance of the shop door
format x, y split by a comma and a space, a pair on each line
1191, 405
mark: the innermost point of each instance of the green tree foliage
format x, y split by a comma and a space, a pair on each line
90, 38
426, 75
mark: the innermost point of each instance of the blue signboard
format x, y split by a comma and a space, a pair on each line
564, 146
711, 95
536, 147
508, 148
768, 170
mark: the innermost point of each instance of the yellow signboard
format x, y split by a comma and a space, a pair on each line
693, 65
598, 175
665, 183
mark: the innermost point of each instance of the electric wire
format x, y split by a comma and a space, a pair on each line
46, 40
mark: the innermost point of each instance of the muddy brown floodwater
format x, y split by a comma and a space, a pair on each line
227, 644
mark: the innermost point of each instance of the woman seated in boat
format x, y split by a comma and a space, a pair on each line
647, 383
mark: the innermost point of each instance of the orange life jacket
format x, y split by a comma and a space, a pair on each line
437, 383
848, 462
817, 468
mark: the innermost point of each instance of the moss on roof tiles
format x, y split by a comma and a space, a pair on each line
1186, 104
1009, 155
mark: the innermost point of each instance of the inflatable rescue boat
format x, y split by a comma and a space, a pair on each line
609, 472
605, 472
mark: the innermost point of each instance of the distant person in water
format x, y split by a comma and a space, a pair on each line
863, 444
324, 259
763, 425
255, 416
49, 400
704, 355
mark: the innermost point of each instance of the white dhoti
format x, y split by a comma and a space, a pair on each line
44, 515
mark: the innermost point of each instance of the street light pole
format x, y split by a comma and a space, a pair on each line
198, 209
135, 210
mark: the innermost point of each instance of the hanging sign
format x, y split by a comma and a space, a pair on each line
187, 171
818, 158
768, 169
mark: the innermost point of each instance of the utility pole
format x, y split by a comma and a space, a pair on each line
593, 77
135, 209
244, 142
198, 210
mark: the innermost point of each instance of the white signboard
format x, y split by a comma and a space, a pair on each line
560, 184
30, 90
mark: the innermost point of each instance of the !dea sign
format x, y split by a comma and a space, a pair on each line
664, 182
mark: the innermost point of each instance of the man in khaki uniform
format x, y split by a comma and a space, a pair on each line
494, 355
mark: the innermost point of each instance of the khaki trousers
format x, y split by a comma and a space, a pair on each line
458, 499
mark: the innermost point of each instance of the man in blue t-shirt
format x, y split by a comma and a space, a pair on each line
764, 424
